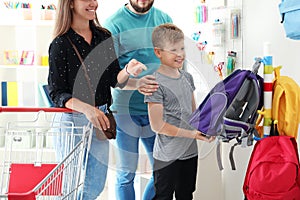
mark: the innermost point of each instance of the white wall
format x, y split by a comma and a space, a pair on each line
260, 24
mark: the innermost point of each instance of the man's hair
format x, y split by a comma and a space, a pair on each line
166, 33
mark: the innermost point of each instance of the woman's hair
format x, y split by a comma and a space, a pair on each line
166, 33
64, 18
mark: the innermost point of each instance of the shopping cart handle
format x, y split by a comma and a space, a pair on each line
32, 109
25, 195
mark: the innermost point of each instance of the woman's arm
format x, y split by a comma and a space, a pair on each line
93, 114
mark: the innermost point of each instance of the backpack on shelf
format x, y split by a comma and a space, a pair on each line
229, 111
290, 13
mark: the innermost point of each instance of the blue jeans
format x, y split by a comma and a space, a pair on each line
130, 129
97, 163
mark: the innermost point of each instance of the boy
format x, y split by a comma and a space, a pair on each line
175, 148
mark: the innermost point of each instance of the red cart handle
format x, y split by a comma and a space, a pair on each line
32, 109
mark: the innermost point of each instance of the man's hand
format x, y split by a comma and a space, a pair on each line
147, 85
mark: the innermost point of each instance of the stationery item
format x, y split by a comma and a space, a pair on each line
219, 69
46, 99
9, 93
27, 58
218, 32
204, 14
201, 45
235, 24
210, 57
10, 57
231, 57
45, 60
12, 93
27, 14
197, 14
201, 14
4, 93
48, 12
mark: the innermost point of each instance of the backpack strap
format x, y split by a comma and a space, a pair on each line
256, 65
239, 119
231, 156
245, 140
218, 152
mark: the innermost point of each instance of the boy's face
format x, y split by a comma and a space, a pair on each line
173, 54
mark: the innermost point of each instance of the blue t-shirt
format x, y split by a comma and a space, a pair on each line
133, 39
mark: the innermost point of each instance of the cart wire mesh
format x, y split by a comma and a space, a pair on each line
31, 169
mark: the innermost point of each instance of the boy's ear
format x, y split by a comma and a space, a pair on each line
157, 52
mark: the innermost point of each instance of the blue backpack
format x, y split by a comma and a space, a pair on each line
290, 12
229, 111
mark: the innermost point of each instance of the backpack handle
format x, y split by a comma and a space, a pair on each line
277, 71
256, 65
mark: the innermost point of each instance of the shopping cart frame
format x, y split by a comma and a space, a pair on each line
57, 172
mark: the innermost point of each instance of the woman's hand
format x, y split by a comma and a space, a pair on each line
93, 114
135, 67
147, 85
97, 118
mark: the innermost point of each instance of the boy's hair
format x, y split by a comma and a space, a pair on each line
166, 33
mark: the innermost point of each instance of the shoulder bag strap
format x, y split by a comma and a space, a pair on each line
84, 69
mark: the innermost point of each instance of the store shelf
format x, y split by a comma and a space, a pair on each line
21, 22
25, 37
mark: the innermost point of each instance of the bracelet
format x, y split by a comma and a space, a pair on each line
127, 69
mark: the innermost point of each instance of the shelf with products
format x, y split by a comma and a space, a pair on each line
24, 50
29, 29
28, 10
24, 37
217, 32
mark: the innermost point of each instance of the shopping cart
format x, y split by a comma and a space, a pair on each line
30, 169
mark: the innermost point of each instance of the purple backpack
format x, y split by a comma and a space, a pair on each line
229, 111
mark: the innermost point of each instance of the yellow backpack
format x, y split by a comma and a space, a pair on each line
285, 104
285, 111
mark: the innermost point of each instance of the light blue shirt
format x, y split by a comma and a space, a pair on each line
133, 39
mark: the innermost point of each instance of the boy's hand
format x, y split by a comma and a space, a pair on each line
203, 137
135, 67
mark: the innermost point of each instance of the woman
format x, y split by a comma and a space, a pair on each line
71, 87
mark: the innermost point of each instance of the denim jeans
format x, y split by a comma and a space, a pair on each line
97, 163
130, 130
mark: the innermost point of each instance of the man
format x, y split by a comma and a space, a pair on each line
132, 26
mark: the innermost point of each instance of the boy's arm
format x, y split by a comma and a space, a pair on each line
159, 126
193, 103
